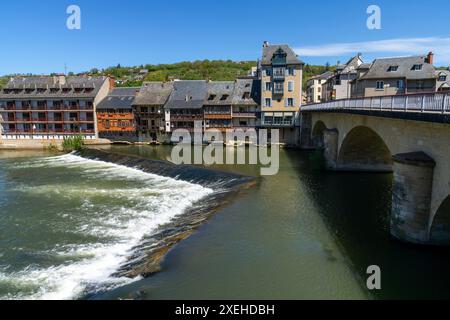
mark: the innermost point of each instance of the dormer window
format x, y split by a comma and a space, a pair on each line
224, 97
246, 96
416, 67
442, 78
212, 97
393, 69
279, 57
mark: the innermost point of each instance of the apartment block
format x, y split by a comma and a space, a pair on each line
339, 86
314, 87
245, 103
217, 107
400, 75
281, 92
148, 109
185, 105
51, 108
115, 116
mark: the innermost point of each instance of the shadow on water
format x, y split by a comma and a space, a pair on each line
356, 208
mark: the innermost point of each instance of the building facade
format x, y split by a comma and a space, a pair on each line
51, 108
398, 76
148, 108
115, 115
217, 108
281, 89
314, 87
339, 85
245, 103
185, 105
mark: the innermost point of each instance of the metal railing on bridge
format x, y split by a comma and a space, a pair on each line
428, 102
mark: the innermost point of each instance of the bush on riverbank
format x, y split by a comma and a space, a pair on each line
73, 143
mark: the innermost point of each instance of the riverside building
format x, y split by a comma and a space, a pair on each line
51, 108
115, 115
281, 92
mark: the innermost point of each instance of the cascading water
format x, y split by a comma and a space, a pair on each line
80, 221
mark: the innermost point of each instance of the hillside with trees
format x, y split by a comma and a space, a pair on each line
197, 70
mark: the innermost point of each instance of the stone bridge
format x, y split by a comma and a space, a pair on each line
406, 135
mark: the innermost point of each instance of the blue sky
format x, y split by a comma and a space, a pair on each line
133, 32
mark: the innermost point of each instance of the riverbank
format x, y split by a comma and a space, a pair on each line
39, 144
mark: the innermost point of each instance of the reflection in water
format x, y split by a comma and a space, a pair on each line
302, 234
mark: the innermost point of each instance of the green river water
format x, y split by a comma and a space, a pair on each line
68, 223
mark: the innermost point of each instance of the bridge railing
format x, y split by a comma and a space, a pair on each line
429, 102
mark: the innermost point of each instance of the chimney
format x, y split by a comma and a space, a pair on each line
62, 80
430, 57
112, 82
266, 44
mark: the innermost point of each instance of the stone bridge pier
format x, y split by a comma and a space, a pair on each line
418, 155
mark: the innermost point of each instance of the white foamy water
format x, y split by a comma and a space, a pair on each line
119, 217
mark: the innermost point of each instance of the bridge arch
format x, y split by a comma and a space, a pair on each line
318, 134
440, 227
363, 149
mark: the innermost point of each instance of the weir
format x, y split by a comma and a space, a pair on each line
147, 257
214, 179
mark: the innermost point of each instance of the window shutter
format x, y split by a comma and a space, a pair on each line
294, 71
286, 102
295, 102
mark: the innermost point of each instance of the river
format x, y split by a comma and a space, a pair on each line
68, 223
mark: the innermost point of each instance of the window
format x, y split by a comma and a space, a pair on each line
380, 85
319, 89
268, 120
417, 67
224, 97
400, 84
420, 85
246, 96
289, 102
393, 69
291, 86
442, 78
291, 71
268, 86
278, 72
212, 97
278, 120
268, 102
268, 73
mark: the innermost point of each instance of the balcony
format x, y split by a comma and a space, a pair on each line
186, 117
244, 115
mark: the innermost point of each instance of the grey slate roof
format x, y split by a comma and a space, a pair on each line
269, 51
51, 87
242, 88
119, 98
379, 69
219, 93
154, 94
364, 66
187, 94
324, 76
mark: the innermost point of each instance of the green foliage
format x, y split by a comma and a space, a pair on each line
3, 81
73, 143
310, 71
196, 70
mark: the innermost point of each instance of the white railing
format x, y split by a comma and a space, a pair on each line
428, 102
